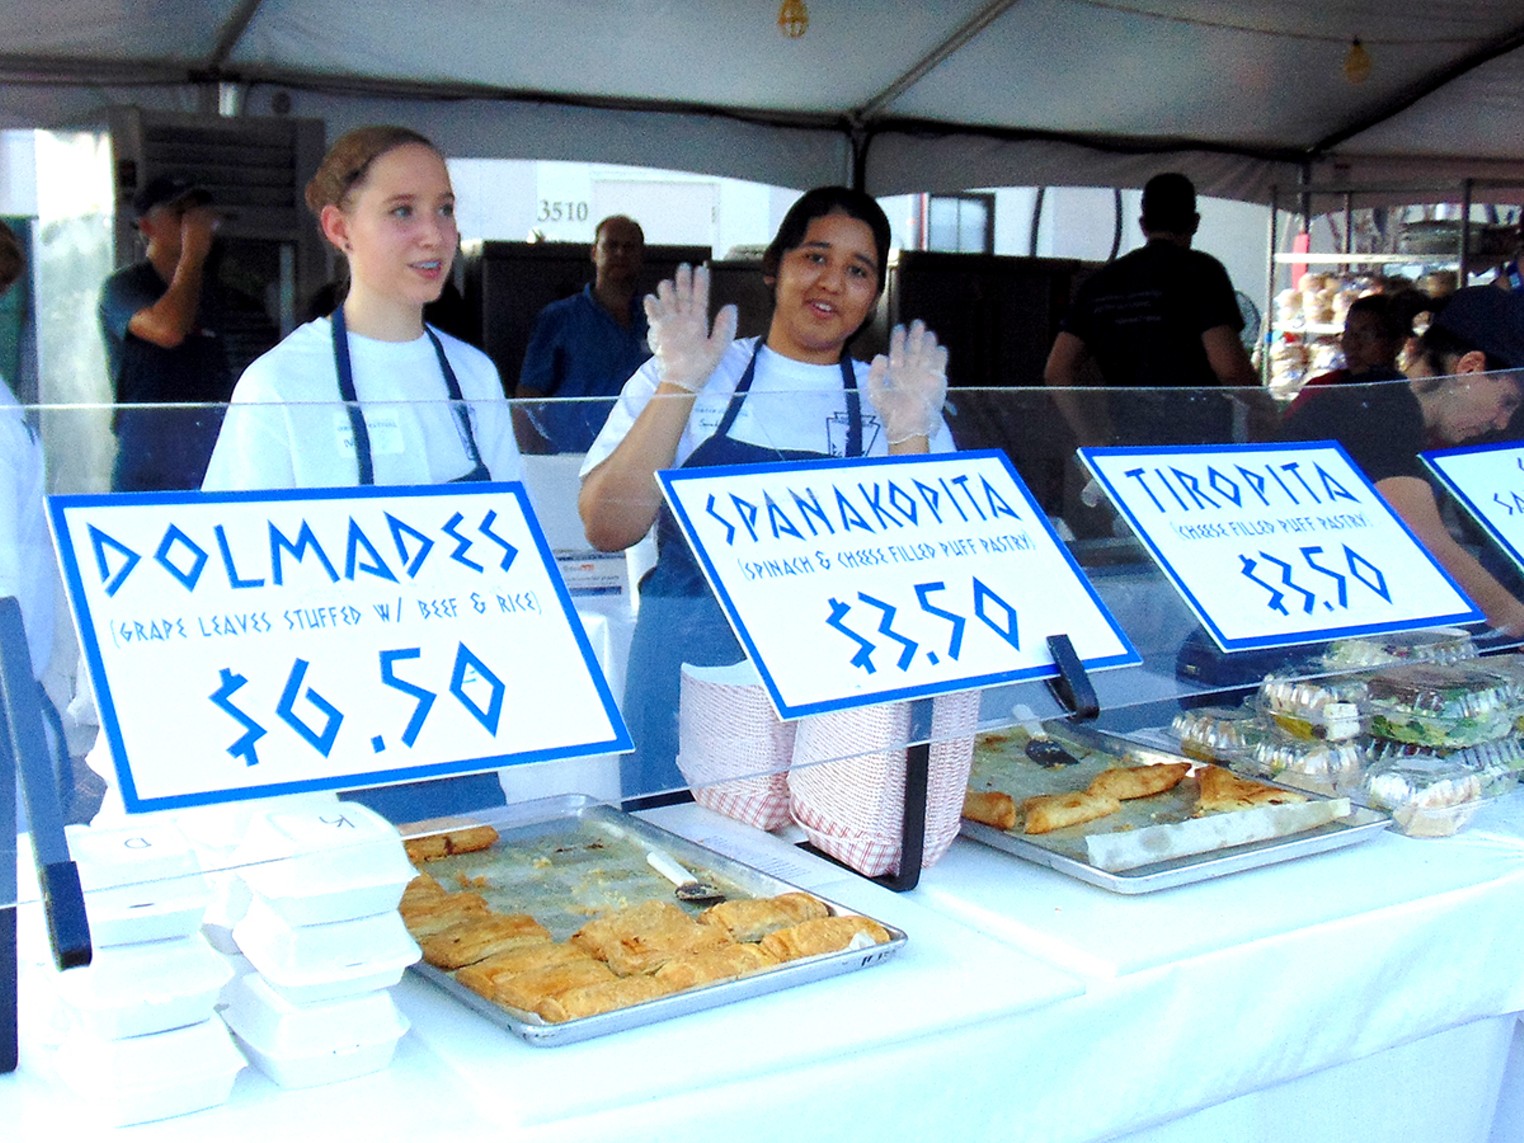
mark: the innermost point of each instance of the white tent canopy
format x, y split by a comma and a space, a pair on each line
906, 96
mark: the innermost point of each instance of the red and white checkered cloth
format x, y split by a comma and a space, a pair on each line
847, 784
732, 747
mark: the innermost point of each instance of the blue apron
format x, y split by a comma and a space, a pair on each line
437, 797
679, 620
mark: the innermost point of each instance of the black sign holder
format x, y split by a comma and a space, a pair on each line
24, 751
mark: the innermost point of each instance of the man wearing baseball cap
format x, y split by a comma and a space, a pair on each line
162, 326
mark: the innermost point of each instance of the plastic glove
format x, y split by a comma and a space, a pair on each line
909, 386
685, 347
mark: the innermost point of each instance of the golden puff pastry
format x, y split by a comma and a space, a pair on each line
1048, 812
1130, 782
424, 887
1223, 791
991, 807
605, 996
427, 915
433, 846
479, 937
728, 963
644, 937
528, 990
822, 935
752, 919
483, 976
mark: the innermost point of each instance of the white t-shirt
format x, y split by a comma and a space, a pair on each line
286, 426
791, 405
27, 568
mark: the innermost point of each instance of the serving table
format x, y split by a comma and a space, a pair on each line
1366, 993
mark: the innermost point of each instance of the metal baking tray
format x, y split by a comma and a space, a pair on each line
1000, 763
566, 859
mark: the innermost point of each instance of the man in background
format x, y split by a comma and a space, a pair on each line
165, 324
1162, 318
586, 345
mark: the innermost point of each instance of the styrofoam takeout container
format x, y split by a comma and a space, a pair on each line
144, 1078
303, 1045
327, 864
141, 989
312, 963
107, 858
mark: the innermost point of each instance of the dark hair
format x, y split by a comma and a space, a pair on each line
818, 203
12, 262
1476, 319
1169, 204
1393, 313
598, 230
350, 157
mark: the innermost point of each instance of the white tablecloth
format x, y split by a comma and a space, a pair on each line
1364, 994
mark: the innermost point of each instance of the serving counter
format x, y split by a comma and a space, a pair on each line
1367, 993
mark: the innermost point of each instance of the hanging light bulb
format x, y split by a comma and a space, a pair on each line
1357, 62
793, 18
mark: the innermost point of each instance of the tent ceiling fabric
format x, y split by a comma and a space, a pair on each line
979, 92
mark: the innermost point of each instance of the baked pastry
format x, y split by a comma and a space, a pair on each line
483, 976
433, 846
1128, 782
422, 888
823, 935
1048, 812
728, 963
479, 937
991, 807
644, 937
605, 996
752, 919
1223, 791
428, 914
528, 990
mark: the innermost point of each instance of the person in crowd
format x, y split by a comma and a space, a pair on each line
1163, 317
1459, 389
1376, 330
27, 570
586, 345
423, 407
704, 399
173, 335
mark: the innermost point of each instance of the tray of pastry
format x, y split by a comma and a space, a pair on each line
549, 920
1134, 819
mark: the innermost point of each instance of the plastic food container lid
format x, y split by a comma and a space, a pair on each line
140, 989
145, 1078
110, 857
1426, 794
308, 963
303, 1045
329, 864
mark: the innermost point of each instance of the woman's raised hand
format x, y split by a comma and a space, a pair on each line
685, 347
909, 386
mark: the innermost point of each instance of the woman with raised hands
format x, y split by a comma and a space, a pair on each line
705, 399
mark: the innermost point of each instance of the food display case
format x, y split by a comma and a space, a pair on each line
1338, 813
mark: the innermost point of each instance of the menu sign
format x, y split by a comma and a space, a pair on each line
1272, 545
252, 643
1488, 480
856, 582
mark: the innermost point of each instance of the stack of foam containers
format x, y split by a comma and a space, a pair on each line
315, 915
137, 1034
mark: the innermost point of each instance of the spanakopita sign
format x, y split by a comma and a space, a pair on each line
1273, 545
865, 581
248, 644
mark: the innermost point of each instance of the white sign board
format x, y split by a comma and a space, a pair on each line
865, 581
1488, 480
246, 644
1273, 545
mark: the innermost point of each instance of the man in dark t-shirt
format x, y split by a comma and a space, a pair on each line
1160, 318
174, 335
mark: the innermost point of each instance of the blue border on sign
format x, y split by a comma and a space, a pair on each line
1432, 458
670, 477
61, 505
1317, 635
